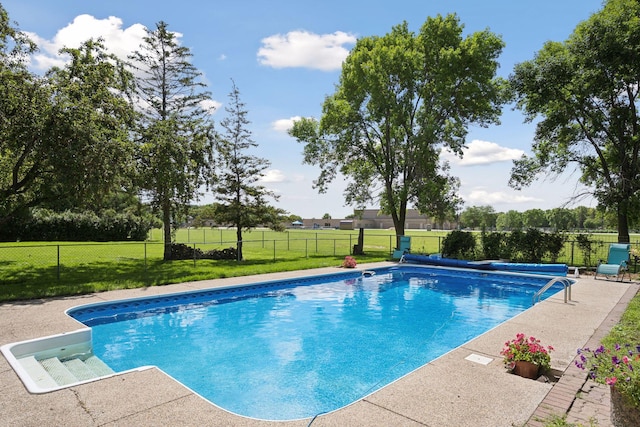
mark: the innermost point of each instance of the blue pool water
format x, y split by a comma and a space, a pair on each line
297, 348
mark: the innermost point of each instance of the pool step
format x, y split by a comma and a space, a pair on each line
52, 372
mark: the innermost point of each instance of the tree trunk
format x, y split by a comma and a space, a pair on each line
399, 218
623, 227
239, 242
166, 223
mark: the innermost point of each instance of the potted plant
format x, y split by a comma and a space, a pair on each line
619, 367
526, 356
349, 262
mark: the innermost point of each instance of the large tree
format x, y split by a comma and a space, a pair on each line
479, 217
242, 199
64, 137
585, 93
175, 130
402, 98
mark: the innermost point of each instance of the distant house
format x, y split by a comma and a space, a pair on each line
346, 224
372, 218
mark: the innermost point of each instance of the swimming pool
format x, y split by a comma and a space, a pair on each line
296, 348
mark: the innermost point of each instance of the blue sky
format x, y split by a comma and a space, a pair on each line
285, 58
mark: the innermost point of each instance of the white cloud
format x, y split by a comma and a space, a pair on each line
484, 197
482, 153
273, 175
210, 105
283, 125
118, 40
304, 49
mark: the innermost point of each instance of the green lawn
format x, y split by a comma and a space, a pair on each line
46, 269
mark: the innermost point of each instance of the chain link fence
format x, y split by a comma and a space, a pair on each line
143, 261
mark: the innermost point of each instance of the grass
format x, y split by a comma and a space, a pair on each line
625, 331
51, 269
556, 421
31, 270
628, 329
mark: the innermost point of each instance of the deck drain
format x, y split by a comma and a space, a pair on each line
476, 358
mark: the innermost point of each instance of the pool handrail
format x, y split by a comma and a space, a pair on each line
566, 283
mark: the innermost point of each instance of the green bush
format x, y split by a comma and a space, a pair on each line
494, 245
588, 247
518, 246
460, 245
555, 245
45, 225
533, 245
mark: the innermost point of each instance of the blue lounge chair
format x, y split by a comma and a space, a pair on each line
617, 262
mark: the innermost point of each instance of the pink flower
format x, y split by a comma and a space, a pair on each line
611, 381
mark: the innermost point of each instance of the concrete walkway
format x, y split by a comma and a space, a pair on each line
450, 391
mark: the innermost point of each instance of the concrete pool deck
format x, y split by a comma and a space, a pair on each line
450, 391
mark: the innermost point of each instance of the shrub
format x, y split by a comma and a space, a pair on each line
514, 245
555, 245
494, 245
46, 225
459, 244
587, 246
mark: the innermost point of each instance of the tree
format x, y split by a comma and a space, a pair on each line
581, 214
479, 217
534, 218
93, 115
242, 200
175, 133
585, 90
401, 98
64, 137
561, 219
326, 216
511, 220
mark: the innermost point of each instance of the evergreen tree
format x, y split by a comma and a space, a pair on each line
242, 201
175, 149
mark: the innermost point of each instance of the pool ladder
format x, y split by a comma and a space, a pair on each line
565, 282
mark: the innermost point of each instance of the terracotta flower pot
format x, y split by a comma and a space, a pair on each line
622, 413
526, 369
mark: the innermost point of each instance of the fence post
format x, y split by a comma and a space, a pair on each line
58, 273
572, 246
274, 250
288, 245
194, 255
145, 263
306, 248
390, 243
334, 247
316, 242
263, 239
